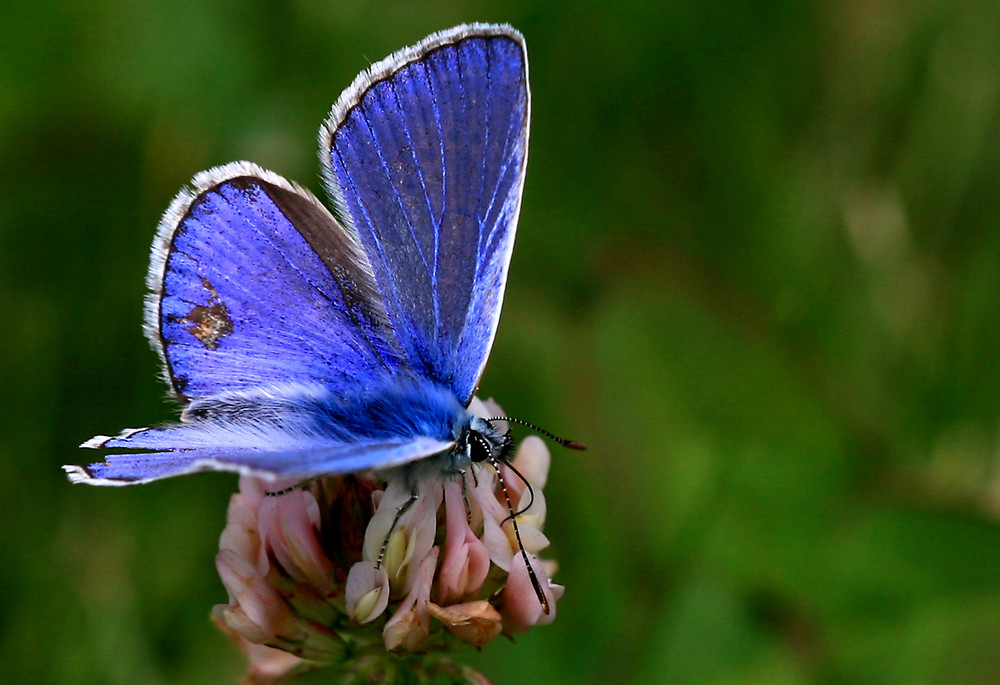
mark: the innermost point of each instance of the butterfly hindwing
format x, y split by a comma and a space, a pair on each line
291, 430
253, 283
425, 157
132, 469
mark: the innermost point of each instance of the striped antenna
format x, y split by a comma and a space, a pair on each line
571, 444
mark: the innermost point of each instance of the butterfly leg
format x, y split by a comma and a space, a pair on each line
517, 535
414, 496
461, 474
465, 494
291, 488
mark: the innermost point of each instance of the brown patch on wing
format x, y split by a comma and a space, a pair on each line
209, 323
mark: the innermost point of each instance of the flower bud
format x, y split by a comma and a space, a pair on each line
520, 607
410, 625
367, 592
466, 561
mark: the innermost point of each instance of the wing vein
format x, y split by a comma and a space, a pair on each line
481, 220
501, 174
395, 191
444, 196
427, 200
390, 287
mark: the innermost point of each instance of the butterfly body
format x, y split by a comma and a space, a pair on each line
305, 342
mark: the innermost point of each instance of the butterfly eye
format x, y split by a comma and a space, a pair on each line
480, 448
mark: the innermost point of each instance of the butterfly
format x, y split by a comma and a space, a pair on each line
304, 342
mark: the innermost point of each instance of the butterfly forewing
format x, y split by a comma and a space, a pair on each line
255, 284
426, 155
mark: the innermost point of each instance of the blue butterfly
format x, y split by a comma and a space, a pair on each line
303, 342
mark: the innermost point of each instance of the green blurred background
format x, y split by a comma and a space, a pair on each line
758, 270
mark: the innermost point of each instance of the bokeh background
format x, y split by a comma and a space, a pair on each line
758, 270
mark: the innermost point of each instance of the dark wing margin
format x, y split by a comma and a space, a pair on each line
254, 283
424, 157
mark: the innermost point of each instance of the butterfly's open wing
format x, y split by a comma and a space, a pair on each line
253, 283
303, 462
424, 156
300, 430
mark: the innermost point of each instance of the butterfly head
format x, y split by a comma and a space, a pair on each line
481, 441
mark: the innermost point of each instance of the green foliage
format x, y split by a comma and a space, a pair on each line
757, 272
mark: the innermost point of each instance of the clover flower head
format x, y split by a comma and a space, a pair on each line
361, 572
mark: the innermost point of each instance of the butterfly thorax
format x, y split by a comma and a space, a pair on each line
400, 407
475, 440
